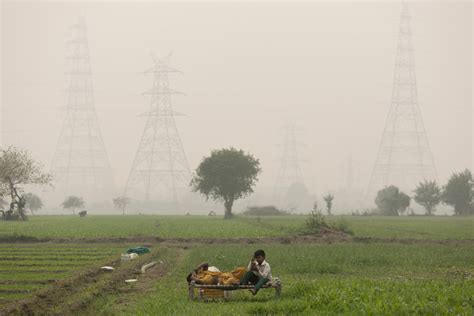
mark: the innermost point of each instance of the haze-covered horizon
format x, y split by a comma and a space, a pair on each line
248, 70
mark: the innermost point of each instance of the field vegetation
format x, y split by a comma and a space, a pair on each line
26, 268
356, 279
390, 265
418, 227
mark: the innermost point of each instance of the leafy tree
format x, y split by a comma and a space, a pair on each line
459, 192
226, 175
390, 201
3, 203
121, 203
328, 199
33, 202
18, 169
403, 202
428, 195
73, 202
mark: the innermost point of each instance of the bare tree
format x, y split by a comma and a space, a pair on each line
121, 203
18, 169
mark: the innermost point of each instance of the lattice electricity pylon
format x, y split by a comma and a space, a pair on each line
290, 170
404, 157
80, 165
160, 171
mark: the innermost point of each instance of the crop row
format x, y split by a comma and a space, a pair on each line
34, 263
20, 287
57, 258
24, 269
60, 253
25, 277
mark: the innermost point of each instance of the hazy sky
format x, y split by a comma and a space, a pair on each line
248, 70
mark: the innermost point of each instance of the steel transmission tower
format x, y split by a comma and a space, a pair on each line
290, 171
404, 157
80, 165
160, 171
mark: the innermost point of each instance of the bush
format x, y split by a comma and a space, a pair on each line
268, 210
315, 222
342, 225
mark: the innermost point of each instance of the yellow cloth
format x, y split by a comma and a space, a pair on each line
223, 278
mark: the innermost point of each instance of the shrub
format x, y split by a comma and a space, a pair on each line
315, 222
342, 225
268, 210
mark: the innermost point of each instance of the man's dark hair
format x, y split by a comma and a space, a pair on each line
259, 253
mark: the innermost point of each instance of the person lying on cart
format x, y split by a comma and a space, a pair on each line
204, 274
258, 272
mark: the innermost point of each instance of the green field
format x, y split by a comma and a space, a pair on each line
419, 227
26, 268
408, 266
361, 279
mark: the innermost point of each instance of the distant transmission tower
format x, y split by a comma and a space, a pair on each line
80, 165
160, 171
349, 175
404, 157
290, 171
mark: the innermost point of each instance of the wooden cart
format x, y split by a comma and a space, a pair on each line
214, 290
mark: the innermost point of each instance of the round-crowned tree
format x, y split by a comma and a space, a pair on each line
73, 202
459, 192
391, 201
226, 175
428, 194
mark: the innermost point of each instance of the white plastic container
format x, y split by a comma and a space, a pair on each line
128, 256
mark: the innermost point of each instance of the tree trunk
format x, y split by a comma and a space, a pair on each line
429, 211
461, 209
228, 208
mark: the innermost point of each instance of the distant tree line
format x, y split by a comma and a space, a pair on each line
458, 193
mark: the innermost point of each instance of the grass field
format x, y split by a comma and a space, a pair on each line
418, 265
215, 227
357, 279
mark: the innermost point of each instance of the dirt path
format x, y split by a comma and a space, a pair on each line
119, 301
327, 237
